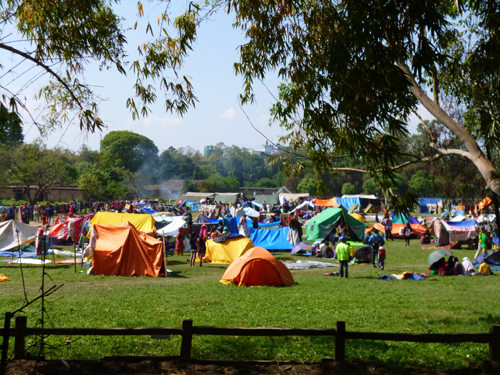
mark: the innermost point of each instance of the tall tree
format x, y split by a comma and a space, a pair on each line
35, 169
131, 151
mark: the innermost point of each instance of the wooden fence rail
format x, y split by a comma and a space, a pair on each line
21, 331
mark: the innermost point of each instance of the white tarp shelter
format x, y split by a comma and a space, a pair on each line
9, 231
173, 228
304, 206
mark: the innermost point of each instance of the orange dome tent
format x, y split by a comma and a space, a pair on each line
257, 267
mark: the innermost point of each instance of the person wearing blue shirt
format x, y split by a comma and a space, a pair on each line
12, 211
376, 240
49, 212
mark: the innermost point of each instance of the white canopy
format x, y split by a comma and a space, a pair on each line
304, 206
9, 231
173, 228
251, 212
363, 196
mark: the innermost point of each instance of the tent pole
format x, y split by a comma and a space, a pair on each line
74, 252
53, 254
164, 254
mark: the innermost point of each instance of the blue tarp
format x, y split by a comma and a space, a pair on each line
232, 224
425, 201
264, 225
271, 239
348, 202
462, 224
148, 211
216, 221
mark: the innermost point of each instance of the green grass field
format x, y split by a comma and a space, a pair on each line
438, 305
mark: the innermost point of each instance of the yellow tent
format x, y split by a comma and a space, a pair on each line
141, 222
228, 251
359, 217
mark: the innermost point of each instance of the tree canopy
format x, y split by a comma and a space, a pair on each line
129, 150
352, 73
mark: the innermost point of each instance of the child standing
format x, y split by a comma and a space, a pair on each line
193, 243
381, 257
201, 244
407, 233
179, 244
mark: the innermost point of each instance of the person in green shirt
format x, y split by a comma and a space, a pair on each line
343, 251
484, 242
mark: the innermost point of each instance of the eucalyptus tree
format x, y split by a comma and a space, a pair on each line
353, 71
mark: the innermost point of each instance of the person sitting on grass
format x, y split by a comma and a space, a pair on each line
484, 268
467, 264
437, 266
426, 237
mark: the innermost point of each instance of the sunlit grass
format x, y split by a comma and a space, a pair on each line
438, 305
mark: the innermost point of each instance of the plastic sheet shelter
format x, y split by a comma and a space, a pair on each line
425, 201
453, 231
141, 222
320, 226
325, 202
397, 229
258, 267
122, 250
269, 199
173, 227
271, 239
70, 228
347, 203
228, 251
8, 234
195, 196
484, 203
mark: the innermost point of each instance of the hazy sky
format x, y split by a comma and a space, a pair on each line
217, 116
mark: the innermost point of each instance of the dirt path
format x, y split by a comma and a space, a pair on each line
110, 366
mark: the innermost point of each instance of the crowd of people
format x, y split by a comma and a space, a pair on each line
334, 246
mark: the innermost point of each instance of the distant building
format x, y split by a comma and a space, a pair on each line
209, 150
268, 149
167, 189
54, 194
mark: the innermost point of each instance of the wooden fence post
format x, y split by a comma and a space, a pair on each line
495, 342
19, 338
5, 343
187, 339
340, 342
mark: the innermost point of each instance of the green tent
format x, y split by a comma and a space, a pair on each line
320, 226
227, 198
400, 219
269, 199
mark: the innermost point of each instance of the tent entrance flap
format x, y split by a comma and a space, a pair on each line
323, 224
326, 230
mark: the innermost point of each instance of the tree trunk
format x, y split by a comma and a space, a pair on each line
473, 153
495, 196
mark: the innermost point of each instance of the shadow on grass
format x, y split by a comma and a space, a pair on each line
490, 319
177, 275
176, 262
